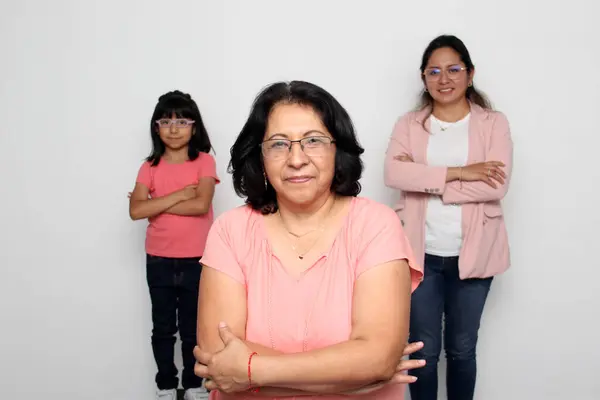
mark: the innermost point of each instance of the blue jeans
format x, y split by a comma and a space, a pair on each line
462, 301
173, 284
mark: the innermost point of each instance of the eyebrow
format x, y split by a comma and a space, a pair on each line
449, 65
304, 135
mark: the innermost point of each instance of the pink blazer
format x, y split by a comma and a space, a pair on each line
485, 250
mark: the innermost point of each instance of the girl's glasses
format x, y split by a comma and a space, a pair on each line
179, 123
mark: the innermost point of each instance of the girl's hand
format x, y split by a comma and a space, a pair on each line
488, 172
225, 370
189, 192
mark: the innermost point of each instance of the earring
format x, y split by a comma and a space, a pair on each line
425, 90
266, 183
470, 84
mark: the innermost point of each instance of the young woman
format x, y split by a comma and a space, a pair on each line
174, 191
451, 160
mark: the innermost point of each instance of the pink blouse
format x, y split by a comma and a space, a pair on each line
314, 311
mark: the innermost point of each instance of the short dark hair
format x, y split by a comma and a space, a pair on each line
246, 164
454, 43
183, 106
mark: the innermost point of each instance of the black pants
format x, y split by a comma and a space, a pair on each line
173, 284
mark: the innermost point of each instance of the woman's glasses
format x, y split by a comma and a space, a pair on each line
453, 72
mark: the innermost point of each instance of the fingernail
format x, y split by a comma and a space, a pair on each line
414, 379
422, 362
222, 324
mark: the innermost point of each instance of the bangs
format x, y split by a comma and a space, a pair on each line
175, 105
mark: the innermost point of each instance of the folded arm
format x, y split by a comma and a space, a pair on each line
501, 149
410, 176
379, 333
201, 203
141, 206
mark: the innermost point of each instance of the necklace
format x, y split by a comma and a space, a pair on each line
321, 228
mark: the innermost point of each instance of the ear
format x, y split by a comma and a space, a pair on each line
471, 76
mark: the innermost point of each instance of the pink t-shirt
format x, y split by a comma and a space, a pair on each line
170, 235
316, 310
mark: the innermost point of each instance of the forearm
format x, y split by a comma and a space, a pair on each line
341, 367
318, 390
141, 209
412, 177
197, 206
301, 389
473, 192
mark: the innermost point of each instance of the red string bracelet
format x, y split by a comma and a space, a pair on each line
253, 390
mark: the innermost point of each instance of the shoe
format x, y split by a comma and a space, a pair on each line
169, 394
196, 394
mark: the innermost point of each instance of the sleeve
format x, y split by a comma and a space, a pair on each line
500, 149
144, 176
208, 167
219, 252
410, 176
382, 240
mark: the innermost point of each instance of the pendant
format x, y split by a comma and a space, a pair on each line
300, 257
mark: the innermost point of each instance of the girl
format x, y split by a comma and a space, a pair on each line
174, 191
452, 161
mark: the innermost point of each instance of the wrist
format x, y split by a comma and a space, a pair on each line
454, 174
180, 196
253, 386
259, 371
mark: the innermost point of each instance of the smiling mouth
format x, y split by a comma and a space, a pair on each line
299, 179
446, 90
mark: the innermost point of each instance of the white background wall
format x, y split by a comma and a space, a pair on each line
79, 80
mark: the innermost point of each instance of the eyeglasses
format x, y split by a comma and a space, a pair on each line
313, 146
453, 72
179, 123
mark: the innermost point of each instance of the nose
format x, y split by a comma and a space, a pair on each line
173, 127
444, 77
297, 158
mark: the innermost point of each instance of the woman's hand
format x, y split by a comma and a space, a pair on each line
225, 370
486, 172
404, 158
400, 377
405, 365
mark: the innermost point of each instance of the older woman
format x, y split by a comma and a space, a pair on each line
306, 289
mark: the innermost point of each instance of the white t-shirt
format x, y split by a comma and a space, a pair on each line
448, 146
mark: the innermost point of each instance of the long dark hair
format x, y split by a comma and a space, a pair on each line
246, 164
473, 95
183, 106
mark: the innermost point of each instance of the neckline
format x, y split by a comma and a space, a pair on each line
445, 125
343, 226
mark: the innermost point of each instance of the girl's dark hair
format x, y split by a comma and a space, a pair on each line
450, 41
246, 164
183, 106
